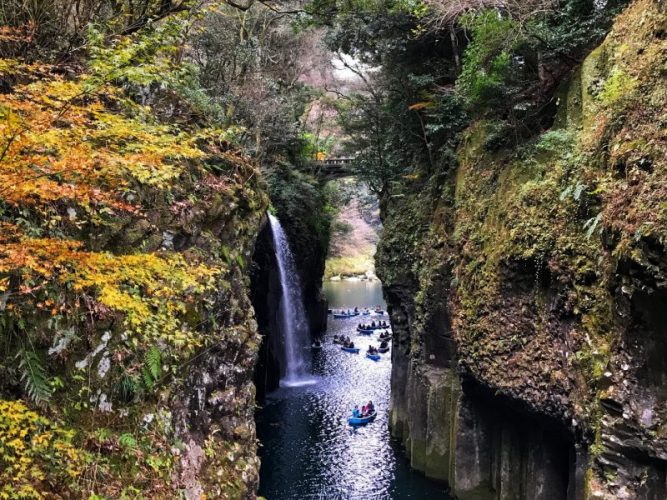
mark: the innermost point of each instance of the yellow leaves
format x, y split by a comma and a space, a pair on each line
32, 448
59, 142
72, 153
151, 290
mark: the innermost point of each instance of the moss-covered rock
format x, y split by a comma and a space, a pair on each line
538, 272
125, 322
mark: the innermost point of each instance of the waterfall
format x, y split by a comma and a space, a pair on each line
293, 323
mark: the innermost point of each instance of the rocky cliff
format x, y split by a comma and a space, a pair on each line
301, 203
127, 335
527, 291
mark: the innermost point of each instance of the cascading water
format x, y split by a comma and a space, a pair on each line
293, 321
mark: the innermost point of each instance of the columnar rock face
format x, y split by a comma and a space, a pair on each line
527, 290
265, 286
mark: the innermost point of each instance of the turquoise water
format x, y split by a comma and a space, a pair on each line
308, 451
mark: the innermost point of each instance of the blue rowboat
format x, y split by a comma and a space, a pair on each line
345, 315
365, 332
366, 313
379, 312
383, 349
374, 357
362, 420
354, 350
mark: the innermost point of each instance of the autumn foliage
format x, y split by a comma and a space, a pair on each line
117, 224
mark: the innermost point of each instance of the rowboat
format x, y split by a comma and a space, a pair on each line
374, 357
353, 350
383, 349
362, 420
345, 315
372, 328
365, 332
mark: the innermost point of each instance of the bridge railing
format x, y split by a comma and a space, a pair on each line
332, 167
337, 161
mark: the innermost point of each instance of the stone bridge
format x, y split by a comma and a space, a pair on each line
334, 168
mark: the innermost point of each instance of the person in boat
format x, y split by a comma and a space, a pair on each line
363, 411
355, 412
356, 310
370, 408
351, 346
383, 344
372, 324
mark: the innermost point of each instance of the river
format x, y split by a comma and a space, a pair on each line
307, 449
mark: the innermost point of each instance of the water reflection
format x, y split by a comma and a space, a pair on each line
348, 294
309, 451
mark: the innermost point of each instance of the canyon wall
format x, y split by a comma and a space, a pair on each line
527, 291
127, 335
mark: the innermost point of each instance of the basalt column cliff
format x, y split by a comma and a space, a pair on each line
527, 289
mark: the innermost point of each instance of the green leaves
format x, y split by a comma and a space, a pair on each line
152, 369
33, 375
592, 224
487, 63
127, 441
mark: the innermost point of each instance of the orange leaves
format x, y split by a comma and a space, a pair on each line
16, 34
41, 256
82, 148
58, 142
44, 156
151, 291
421, 105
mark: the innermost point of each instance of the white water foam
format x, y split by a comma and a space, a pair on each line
293, 322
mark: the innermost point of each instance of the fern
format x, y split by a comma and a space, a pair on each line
154, 362
33, 376
127, 441
152, 367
